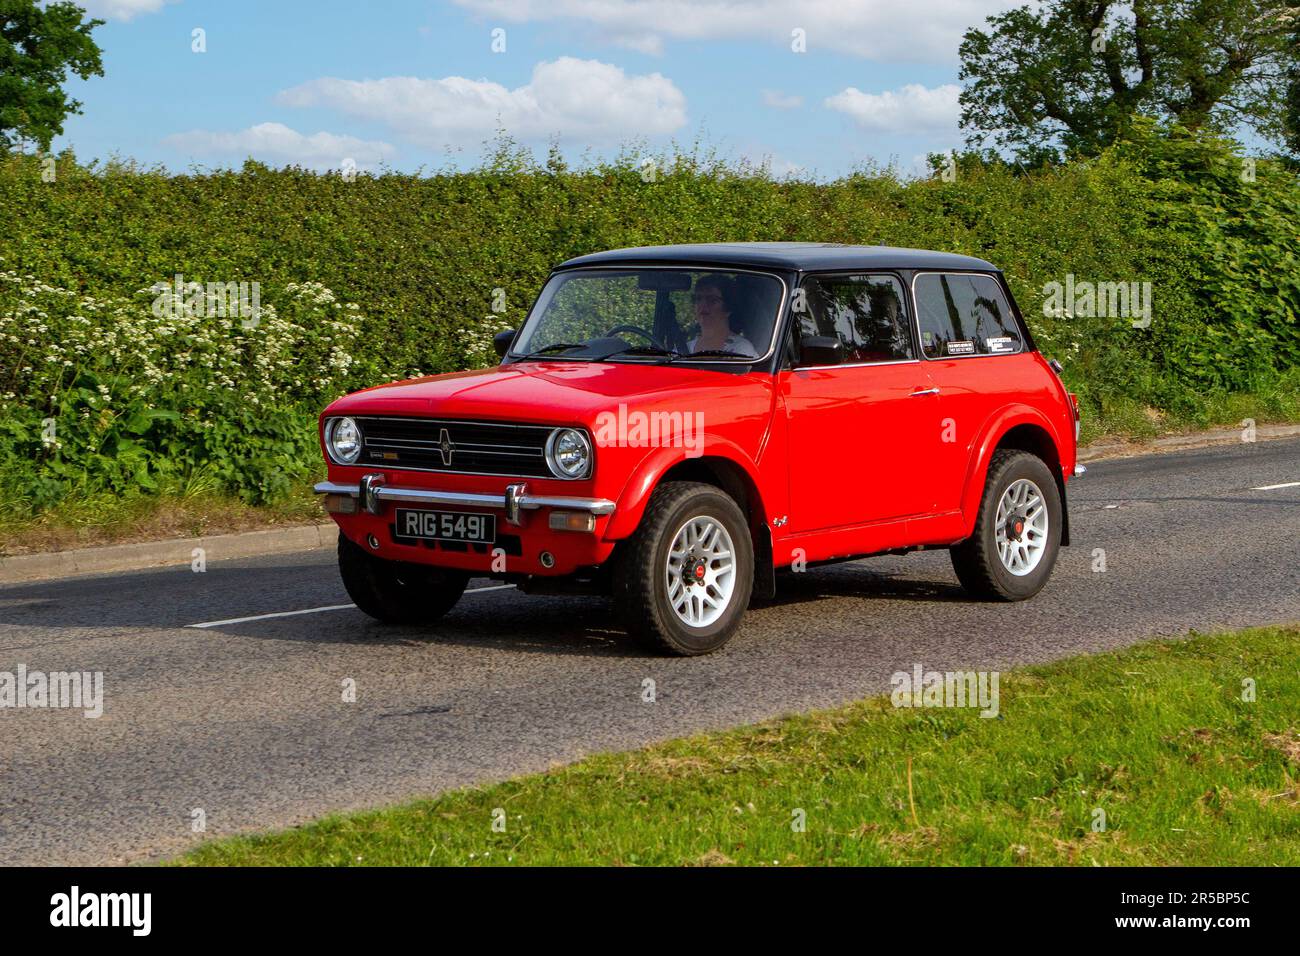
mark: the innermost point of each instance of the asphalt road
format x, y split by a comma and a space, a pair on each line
246, 721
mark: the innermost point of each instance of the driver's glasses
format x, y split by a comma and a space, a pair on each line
706, 298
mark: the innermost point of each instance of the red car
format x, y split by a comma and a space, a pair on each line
674, 424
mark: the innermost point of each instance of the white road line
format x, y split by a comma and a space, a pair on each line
1285, 484
318, 610
263, 617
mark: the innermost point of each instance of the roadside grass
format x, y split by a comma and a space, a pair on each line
1126, 419
102, 519
1157, 736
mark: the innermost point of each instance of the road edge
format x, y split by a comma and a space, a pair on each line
177, 551
1222, 436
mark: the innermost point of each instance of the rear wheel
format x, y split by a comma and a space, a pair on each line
1017, 536
683, 579
398, 592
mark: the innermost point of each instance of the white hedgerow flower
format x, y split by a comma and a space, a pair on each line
303, 354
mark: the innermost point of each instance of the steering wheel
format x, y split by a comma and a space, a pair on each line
638, 331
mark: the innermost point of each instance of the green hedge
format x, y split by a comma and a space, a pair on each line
420, 257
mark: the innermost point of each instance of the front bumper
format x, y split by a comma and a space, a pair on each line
372, 492
364, 514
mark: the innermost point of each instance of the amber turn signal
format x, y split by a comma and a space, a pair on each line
572, 521
340, 504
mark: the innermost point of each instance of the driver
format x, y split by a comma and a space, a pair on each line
714, 298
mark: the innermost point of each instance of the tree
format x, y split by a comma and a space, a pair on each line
38, 46
1291, 114
1073, 73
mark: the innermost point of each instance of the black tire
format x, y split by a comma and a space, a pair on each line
398, 592
640, 573
976, 560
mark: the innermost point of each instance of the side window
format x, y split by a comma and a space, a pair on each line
865, 312
964, 315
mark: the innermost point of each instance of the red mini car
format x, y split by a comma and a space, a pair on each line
674, 424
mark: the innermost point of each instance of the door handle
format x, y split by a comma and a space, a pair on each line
925, 391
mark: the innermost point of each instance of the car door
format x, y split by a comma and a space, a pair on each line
974, 351
862, 424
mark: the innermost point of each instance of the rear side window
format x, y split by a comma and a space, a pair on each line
964, 315
865, 312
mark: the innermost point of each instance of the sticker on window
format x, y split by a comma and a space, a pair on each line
1003, 343
961, 348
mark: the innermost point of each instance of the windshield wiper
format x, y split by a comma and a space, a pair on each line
717, 352
645, 350
553, 347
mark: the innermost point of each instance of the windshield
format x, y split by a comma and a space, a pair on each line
663, 314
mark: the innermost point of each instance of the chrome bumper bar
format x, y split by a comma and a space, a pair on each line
373, 492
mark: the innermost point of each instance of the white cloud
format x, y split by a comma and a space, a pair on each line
123, 9
912, 109
918, 31
278, 143
572, 99
647, 43
781, 101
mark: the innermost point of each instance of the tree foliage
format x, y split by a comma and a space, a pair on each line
1071, 74
39, 45
1291, 109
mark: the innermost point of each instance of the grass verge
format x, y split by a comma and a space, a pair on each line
104, 519
1125, 419
1157, 737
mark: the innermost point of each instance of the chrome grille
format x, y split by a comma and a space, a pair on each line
455, 447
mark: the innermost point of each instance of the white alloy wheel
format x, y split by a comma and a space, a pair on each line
700, 574
1020, 529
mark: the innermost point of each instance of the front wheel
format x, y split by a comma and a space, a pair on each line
398, 592
683, 579
1017, 536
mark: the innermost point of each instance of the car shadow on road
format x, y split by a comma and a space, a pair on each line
498, 621
584, 626
859, 580
175, 599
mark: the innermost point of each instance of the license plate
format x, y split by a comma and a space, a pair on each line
446, 526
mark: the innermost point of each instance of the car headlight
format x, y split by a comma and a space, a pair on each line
568, 453
343, 438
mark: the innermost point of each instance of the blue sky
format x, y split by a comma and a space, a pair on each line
410, 84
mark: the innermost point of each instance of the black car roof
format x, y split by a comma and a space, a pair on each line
794, 256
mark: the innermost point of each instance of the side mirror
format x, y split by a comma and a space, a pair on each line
821, 350
502, 342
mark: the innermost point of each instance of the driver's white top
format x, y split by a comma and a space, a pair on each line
735, 343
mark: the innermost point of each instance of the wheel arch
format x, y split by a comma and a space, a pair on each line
1024, 429
719, 466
